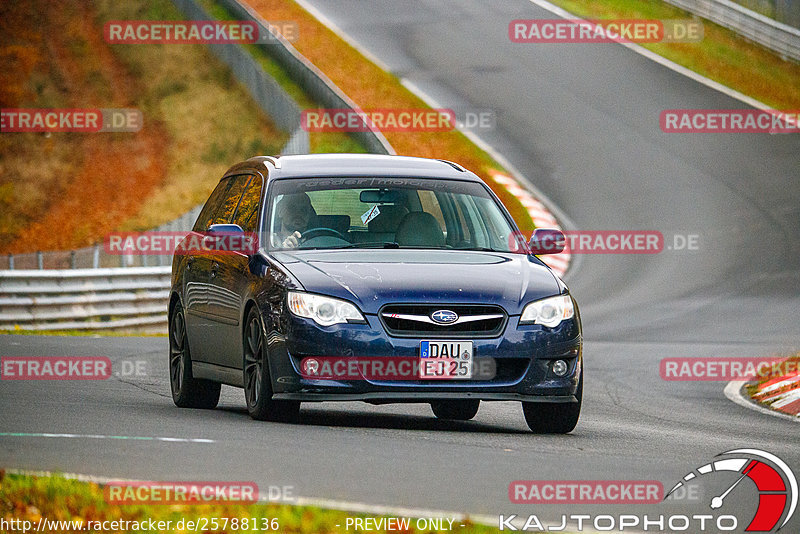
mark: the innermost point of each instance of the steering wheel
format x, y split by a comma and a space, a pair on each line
316, 232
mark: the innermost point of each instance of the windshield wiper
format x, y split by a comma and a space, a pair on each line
387, 244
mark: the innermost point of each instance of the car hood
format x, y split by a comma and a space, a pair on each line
373, 278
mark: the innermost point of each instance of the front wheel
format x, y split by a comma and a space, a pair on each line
554, 418
456, 410
257, 384
187, 391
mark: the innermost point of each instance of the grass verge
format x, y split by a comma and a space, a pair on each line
56, 498
722, 55
82, 333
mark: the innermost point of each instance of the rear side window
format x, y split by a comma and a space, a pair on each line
212, 204
246, 214
225, 213
222, 203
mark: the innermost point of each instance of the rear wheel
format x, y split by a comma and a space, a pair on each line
458, 410
554, 418
257, 384
187, 391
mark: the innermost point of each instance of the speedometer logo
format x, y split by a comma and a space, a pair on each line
775, 483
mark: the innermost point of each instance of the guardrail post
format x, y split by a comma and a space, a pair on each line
96, 256
40, 259
72, 261
10, 261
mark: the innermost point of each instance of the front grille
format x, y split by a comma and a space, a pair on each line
414, 320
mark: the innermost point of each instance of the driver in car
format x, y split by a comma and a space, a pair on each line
295, 213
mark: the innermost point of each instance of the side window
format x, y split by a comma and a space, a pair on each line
213, 202
246, 214
225, 212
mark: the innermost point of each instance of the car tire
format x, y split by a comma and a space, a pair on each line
257, 383
187, 391
456, 410
554, 418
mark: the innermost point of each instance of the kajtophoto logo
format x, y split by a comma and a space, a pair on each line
741, 486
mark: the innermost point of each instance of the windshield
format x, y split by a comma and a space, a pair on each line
331, 213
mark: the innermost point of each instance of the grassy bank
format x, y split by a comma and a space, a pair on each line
56, 498
68, 190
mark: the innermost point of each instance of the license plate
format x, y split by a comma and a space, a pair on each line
445, 359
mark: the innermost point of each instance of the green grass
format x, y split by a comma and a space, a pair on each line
57, 498
87, 333
722, 55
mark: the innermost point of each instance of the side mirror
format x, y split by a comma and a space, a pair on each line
225, 229
230, 238
547, 241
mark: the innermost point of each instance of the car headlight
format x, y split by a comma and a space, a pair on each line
548, 312
325, 311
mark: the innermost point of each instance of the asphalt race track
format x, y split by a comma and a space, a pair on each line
581, 122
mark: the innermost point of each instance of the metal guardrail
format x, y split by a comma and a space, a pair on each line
95, 257
84, 298
785, 11
779, 37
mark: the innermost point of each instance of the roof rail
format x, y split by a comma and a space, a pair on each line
456, 166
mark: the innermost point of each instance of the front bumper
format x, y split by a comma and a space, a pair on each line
521, 354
